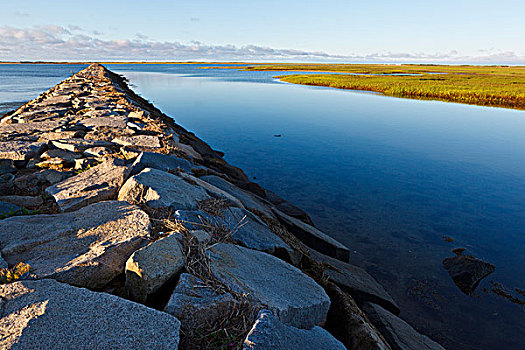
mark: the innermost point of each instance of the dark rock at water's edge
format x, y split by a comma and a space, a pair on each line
467, 271
399, 334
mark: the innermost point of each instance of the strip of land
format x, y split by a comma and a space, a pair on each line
495, 86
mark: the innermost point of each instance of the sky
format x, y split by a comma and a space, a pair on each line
460, 31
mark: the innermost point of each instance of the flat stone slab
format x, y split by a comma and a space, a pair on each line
248, 230
399, 334
138, 141
270, 333
60, 153
249, 201
295, 298
160, 162
32, 127
195, 304
47, 314
150, 267
94, 185
159, 189
86, 248
109, 121
356, 281
314, 238
20, 150
79, 145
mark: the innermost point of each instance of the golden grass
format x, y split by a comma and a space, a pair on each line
496, 86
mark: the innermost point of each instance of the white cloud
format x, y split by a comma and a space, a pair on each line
74, 43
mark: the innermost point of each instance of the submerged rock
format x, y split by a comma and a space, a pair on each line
355, 281
86, 248
314, 238
295, 298
249, 200
270, 333
46, 314
467, 271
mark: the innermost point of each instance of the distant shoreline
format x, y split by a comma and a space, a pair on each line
267, 63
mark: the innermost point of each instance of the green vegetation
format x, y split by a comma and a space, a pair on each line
16, 212
14, 273
497, 86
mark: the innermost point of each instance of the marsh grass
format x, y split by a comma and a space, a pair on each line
496, 86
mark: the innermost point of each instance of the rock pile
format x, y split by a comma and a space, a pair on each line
100, 190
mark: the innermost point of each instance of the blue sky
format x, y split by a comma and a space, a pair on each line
379, 31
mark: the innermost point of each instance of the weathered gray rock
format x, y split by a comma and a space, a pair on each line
159, 189
187, 150
87, 248
79, 145
399, 334
33, 184
97, 152
60, 153
212, 190
295, 212
113, 121
33, 127
20, 150
138, 141
7, 183
85, 163
6, 166
355, 281
467, 271
314, 238
58, 135
293, 297
50, 315
160, 162
150, 267
195, 304
23, 201
349, 324
94, 185
248, 230
249, 200
270, 333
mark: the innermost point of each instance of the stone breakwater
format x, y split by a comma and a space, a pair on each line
140, 236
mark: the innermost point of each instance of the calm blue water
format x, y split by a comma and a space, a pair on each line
388, 177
